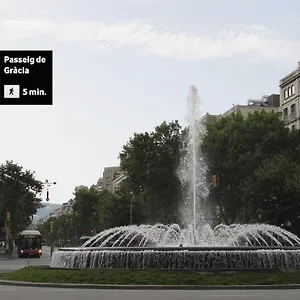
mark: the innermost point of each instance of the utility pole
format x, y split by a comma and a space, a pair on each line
130, 211
8, 235
51, 233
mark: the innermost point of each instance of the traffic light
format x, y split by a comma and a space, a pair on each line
214, 180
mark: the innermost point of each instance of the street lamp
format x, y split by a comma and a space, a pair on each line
47, 184
130, 212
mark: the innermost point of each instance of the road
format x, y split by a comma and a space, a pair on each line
18, 263
30, 293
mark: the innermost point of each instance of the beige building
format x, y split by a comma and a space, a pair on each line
99, 184
266, 103
112, 177
290, 98
106, 182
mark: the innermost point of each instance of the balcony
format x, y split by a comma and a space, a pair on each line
292, 116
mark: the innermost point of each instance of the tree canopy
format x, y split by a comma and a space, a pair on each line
256, 161
20, 194
150, 160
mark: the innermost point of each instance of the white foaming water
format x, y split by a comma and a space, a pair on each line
172, 236
170, 258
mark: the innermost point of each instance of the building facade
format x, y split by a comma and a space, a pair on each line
267, 103
290, 98
109, 174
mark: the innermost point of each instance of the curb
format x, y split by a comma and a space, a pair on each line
150, 287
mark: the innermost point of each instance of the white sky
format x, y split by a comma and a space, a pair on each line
124, 66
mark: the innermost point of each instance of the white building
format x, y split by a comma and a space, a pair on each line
290, 98
267, 103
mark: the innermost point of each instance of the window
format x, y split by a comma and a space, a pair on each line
290, 91
293, 108
293, 89
293, 127
285, 94
285, 111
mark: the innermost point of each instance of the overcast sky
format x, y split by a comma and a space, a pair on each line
124, 66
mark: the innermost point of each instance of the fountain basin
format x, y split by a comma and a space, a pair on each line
174, 258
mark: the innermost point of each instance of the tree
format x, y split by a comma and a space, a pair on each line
20, 194
241, 152
278, 190
45, 230
150, 160
64, 229
126, 203
86, 209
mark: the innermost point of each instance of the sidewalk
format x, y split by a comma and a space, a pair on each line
3, 253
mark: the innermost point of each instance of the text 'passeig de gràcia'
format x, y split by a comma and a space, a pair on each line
21, 60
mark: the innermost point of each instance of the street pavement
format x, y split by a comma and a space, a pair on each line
15, 263
31, 293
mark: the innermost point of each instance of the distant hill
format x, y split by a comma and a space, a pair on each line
45, 211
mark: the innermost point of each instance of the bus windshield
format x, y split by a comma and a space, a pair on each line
30, 242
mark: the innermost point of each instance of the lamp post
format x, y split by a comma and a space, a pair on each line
52, 238
130, 211
8, 235
47, 184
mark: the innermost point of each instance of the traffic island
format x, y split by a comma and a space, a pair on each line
152, 278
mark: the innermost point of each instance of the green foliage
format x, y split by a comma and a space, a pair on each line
95, 211
150, 161
256, 161
278, 189
86, 208
152, 277
19, 194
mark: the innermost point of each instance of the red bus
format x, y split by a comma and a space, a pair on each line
29, 243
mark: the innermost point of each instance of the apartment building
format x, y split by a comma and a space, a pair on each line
290, 98
267, 103
99, 184
109, 174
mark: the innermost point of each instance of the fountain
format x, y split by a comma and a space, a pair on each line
197, 245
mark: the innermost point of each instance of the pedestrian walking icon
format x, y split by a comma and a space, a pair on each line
11, 91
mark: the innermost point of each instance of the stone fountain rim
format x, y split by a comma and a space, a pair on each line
168, 249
